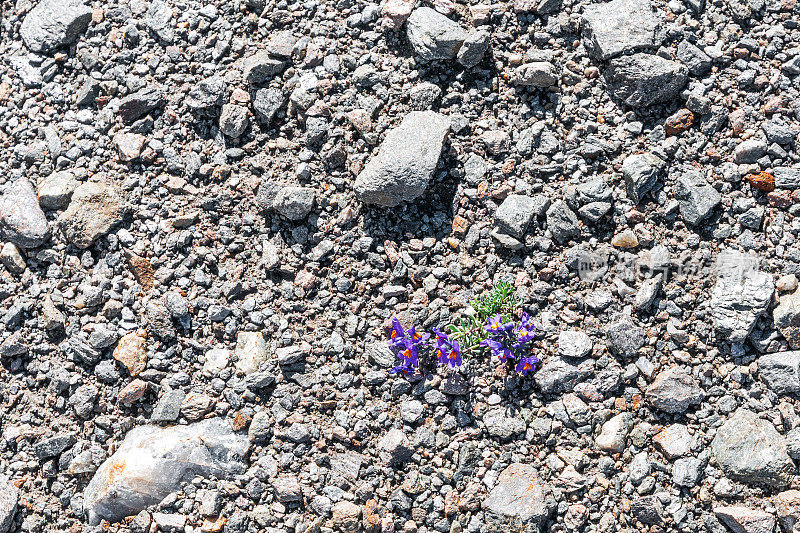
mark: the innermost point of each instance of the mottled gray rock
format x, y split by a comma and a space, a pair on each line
8, 504
395, 446
781, 371
787, 505
96, 207
434, 36
695, 59
473, 48
562, 221
536, 74
742, 294
625, 338
642, 80
266, 104
674, 391
750, 151
54, 23
295, 203
749, 449
503, 427
687, 471
786, 317
55, 190
520, 501
740, 519
620, 26
641, 171
515, 214
575, 344
787, 178
648, 510
154, 461
696, 197
22, 221
206, 94
614, 433
674, 441
405, 161
557, 375
54, 446
168, 407
260, 67
233, 120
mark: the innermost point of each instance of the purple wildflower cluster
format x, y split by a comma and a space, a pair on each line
408, 345
509, 341
506, 340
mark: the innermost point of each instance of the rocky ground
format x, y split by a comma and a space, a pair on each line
210, 212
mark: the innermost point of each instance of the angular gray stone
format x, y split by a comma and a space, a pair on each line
614, 433
233, 120
562, 221
140, 103
749, 151
641, 172
787, 178
787, 505
503, 427
742, 294
740, 519
696, 197
558, 375
781, 371
648, 510
642, 80
206, 94
750, 449
536, 74
395, 446
574, 344
260, 67
515, 214
266, 103
686, 472
625, 338
55, 190
295, 203
786, 317
22, 221
674, 391
695, 59
473, 48
8, 504
54, 23
612, 28
434, 36
153, 462
405, 161
168, 408
96, 207
520, 501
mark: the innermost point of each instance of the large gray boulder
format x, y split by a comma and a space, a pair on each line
54, 23
405, 161
22, 220
434, 36
642, 80
741, 295
520, 501
613, 28
750, 449
153, 462
787, 318
781, 371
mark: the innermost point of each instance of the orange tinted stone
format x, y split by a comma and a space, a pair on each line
679, 122
763, 181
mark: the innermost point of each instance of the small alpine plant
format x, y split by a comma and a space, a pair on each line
490, 327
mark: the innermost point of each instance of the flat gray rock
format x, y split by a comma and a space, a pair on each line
742, 294
750, 449
642, 80
53, 24
96, 207
22, 221
696, 197
781, 371
434, 36
519, 502
620, 26
153, 462
405, 161
515, 214
674, 391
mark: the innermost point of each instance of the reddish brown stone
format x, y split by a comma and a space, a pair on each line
780, 199
460, 225
679, 122
763, 181
133, 392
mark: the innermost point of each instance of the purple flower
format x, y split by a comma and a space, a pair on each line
417, 339
527, 364
447, 351
397, 335
496, 327
499, 349
524, 331
409, 359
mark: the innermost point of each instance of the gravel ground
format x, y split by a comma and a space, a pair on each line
211, 211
